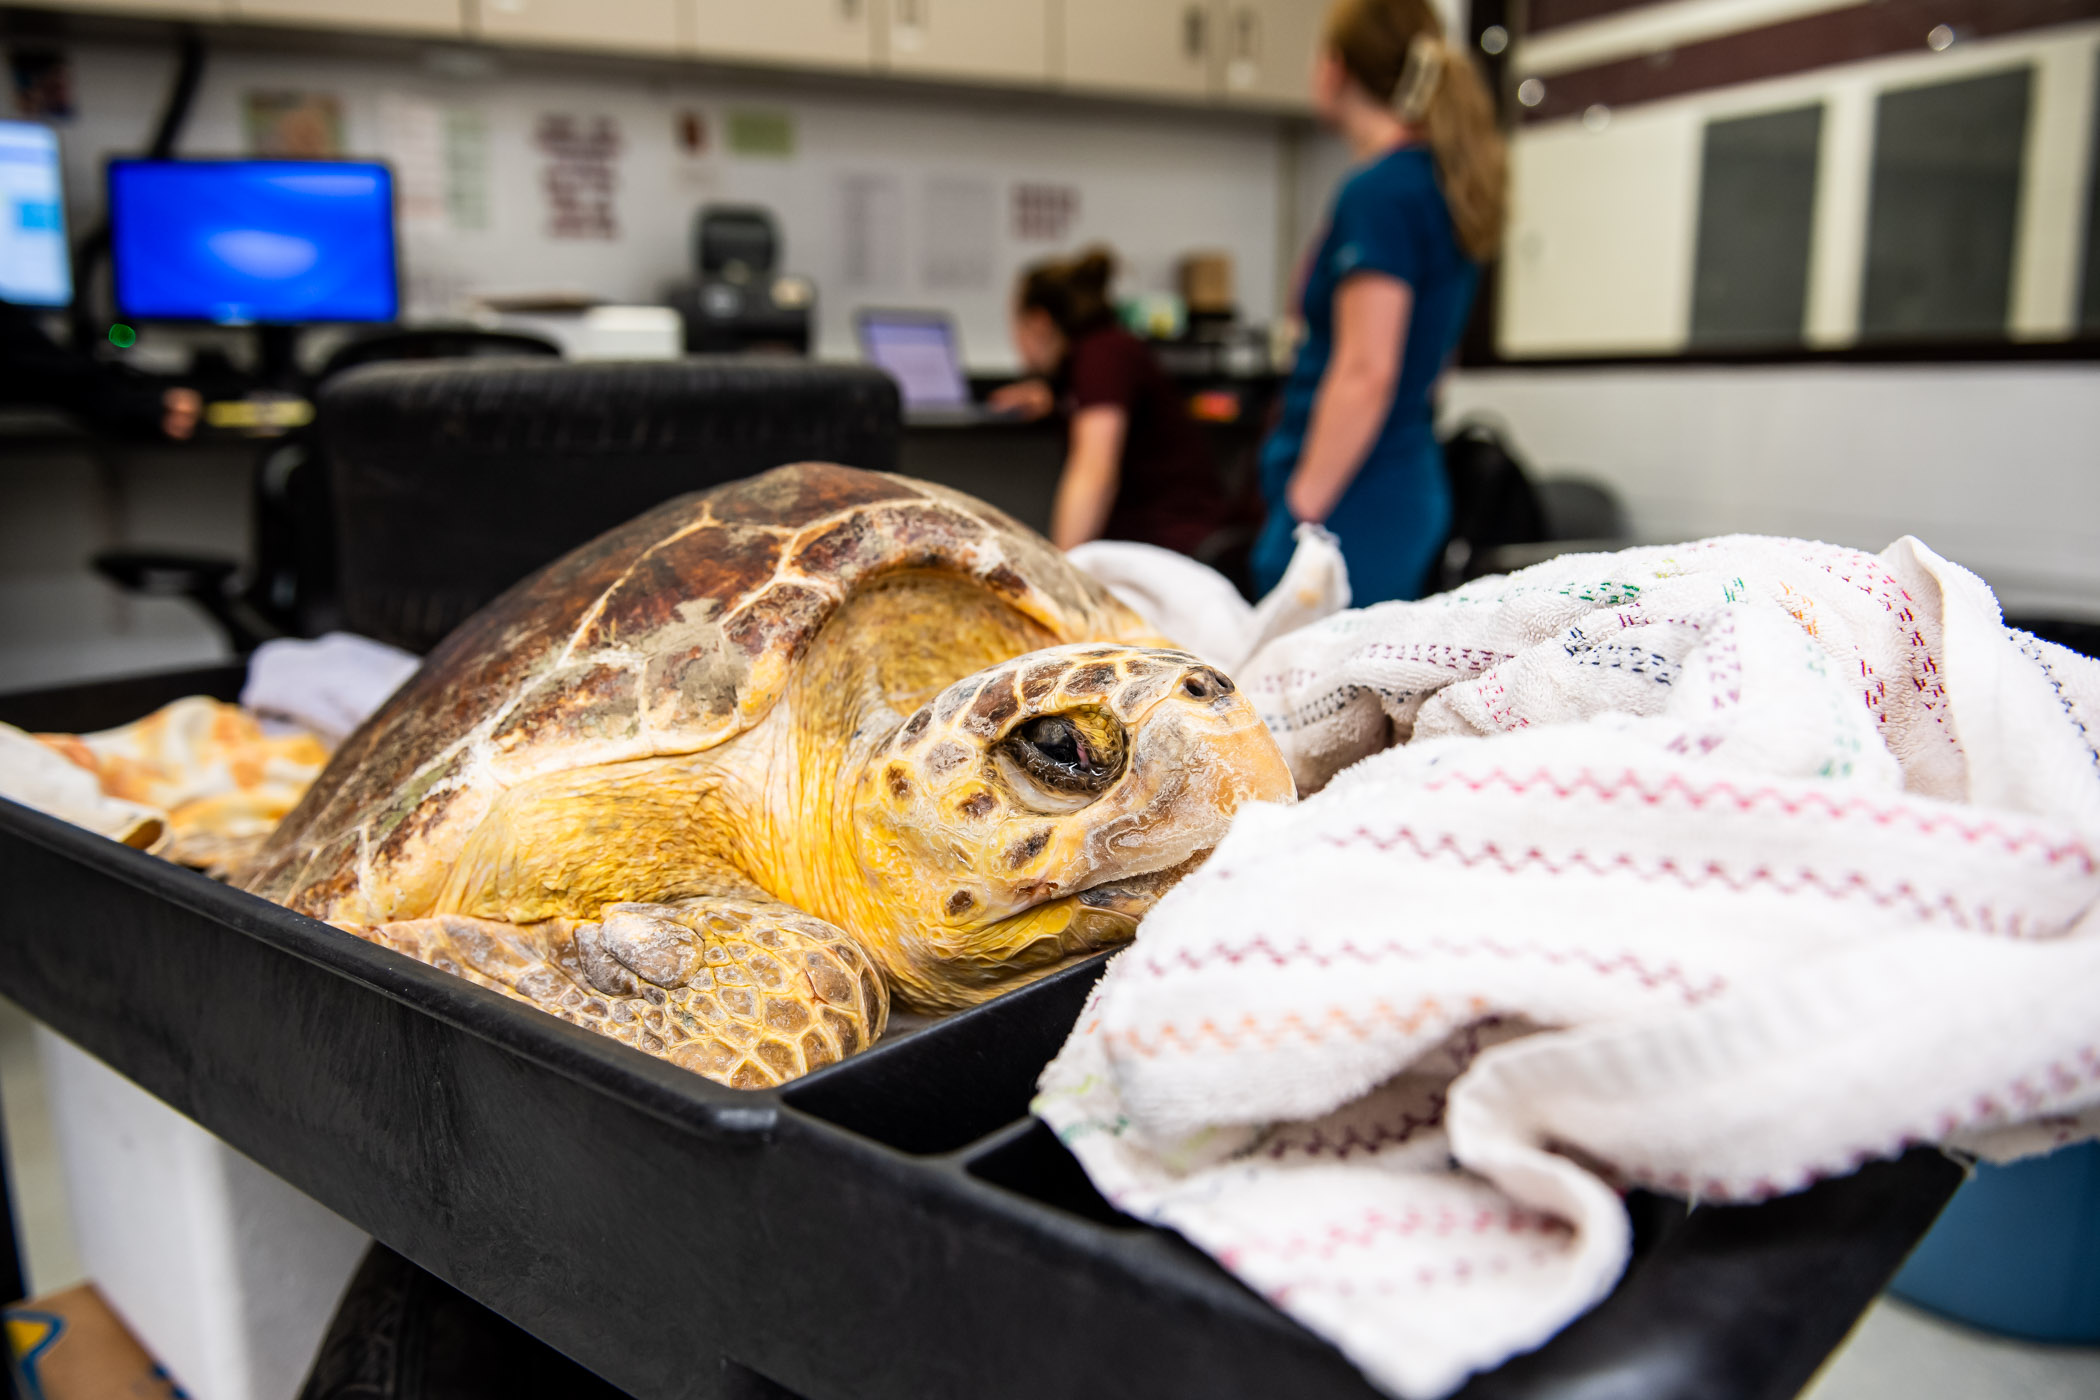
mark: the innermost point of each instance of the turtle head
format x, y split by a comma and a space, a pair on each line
1034, 811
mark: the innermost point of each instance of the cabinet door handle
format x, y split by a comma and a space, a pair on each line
908, 14
1195, 31
849, 10
1246, 34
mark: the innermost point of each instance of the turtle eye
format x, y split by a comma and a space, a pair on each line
1076, 753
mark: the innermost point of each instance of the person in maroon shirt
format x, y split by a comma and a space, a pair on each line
1137, 467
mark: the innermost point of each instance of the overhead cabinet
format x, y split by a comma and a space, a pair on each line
1252, 52
816, 33
400, 16
629, 26
1248, 53
187, 9
1142, 47
1266, 50
998, 40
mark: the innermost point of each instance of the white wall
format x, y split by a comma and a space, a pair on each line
1997, 467
1154, 183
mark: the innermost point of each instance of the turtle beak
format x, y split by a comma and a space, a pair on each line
1198, 753
1205, 730
1134, 895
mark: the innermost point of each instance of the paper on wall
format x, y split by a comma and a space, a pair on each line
467, 168
1044, 213
581, 175
692, 152
961, 226
871, 230
299, 124
412, 136
440, 158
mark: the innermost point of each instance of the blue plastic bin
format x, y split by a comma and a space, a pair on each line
2017, 1250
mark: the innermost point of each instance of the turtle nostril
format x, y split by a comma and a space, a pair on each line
1205, 685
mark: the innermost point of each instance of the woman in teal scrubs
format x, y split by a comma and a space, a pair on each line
1386, 295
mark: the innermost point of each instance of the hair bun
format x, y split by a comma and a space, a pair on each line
1072, 291
1095, 267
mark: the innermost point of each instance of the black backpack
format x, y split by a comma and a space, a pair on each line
1493, 503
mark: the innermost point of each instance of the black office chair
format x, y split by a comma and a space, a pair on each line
450, 482
287, 587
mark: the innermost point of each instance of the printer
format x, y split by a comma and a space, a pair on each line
739, 301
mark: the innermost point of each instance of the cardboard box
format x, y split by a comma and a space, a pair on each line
70, 1346
1206, 283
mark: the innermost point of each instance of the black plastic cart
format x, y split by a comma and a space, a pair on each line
894, 1226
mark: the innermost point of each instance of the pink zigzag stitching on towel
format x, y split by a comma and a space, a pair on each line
1983, 917
1459, 1271
1193, 960
1335, 1020
1984, 1110
1374, 1225
1724, 793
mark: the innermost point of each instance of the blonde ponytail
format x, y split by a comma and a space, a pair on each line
1396, 50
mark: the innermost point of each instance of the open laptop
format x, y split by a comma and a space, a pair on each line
918, 349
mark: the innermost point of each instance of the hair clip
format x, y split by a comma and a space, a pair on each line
1419, 77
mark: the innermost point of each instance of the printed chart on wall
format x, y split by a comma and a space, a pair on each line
440, 156
961, 231
871, 230
580, 174
1044, 213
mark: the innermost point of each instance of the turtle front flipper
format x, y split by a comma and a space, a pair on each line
748, 992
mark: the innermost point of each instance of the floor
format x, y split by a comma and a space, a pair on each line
1899, 1352
59, 623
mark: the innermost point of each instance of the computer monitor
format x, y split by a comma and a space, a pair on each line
34, 267
253, 242
918, 350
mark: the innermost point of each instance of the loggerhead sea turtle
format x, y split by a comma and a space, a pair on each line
725, 780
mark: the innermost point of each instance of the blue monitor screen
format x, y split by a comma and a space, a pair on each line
34, 268
238, 241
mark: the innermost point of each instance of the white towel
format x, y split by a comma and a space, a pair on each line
1200, 609
37, 775
1715, 868
328, 685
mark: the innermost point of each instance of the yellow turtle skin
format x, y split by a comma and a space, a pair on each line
728, 779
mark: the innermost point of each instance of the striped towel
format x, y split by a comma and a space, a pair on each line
1715, 868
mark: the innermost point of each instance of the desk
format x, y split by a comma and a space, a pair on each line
1015, 465
1011, 465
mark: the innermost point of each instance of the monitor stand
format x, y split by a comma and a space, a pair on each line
277, 358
